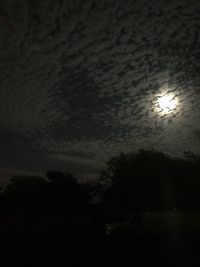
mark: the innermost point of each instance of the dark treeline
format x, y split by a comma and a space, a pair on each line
150, 180
132, 182
58, 193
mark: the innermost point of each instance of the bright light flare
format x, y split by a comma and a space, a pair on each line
167, 103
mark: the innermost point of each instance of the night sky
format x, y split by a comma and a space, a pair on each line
79, 82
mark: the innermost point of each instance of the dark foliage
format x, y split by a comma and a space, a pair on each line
140, 181
60, 192
65, 193
23, 193
151, 180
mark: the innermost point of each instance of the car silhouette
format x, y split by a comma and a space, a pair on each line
161, 224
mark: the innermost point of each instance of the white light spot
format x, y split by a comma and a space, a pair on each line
166, 103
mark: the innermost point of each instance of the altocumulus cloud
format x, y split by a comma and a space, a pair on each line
79, 78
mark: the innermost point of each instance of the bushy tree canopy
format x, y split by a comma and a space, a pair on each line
152, 180
59, 192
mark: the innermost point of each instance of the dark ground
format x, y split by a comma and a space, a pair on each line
101, 252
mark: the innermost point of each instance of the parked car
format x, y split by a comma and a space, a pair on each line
166, 223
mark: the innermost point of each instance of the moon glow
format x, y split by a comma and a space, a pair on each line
166, 103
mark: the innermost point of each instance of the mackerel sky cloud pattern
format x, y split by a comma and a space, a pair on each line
79, 80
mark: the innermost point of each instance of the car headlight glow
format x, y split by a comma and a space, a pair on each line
108, 229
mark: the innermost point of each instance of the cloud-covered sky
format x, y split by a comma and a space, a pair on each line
79, 81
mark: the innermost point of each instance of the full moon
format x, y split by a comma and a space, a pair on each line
166, 103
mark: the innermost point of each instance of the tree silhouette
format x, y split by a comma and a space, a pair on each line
64, 192
34, 194
25, 193
151, 180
